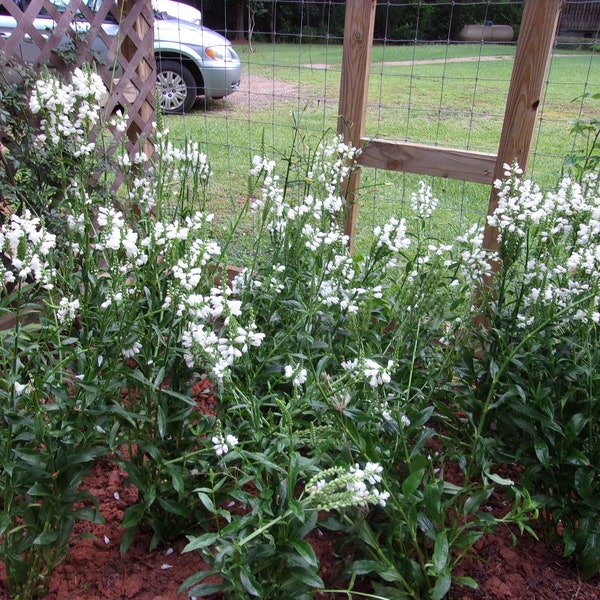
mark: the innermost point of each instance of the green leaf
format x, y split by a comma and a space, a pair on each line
494, 368
206, 589
441, 587
47, 537
472, 503
306, 576
542, 453
127, 540
466, 581
173, 507
569, 543
38, 489
584, 482
432, 495
364, 567
385, 592
440, 551
200, 541
304, 549
297, 510
206, 501
133, 516
589, 558
177, 481
498, 479
412, 482
391, 574
161, 422
246, 580
575, 426
197, 577
4, 522
576, 457
158, 379
89, 513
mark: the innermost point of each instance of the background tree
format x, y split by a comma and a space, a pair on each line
407, 22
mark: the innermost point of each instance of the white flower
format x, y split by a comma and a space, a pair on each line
297, 374
67, 311
19, 388
393, 235
378, 497
371, 472
423, 203
222, 445
132, 350
261, 165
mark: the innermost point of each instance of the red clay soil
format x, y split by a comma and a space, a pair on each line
95, 570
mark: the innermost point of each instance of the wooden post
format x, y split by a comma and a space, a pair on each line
356, 64
534, 49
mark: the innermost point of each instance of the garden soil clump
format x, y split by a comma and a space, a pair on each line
95, 569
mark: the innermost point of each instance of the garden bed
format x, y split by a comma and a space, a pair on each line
341, 446
95, 569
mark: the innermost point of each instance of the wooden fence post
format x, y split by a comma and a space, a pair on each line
534, 50
354, 85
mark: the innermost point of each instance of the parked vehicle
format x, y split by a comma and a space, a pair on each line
179, 10
191, 60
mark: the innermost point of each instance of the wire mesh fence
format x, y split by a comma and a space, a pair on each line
440, 75
430, 83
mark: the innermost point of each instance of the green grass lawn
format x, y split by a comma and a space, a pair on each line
457, 101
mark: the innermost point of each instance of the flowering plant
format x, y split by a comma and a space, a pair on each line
536, 382
355, 394
355, 350
105, 318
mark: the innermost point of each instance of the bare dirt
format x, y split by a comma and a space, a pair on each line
95, 569
257, 92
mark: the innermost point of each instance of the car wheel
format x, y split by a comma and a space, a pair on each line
175, 87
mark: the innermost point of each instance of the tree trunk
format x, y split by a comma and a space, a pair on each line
239, 22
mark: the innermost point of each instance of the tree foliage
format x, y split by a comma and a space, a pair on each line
402, 21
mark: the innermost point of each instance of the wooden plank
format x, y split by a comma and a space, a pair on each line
532, 59
423, 159
354, 84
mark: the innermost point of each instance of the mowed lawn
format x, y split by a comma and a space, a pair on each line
447, 95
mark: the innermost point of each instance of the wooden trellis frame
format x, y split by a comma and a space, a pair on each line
534, 49
131, 51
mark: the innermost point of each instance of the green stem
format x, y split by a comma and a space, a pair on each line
351, 593
409, 384
264, 528
184, 457
383, 558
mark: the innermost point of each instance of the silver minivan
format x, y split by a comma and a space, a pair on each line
191, 60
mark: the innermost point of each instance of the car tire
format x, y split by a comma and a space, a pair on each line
176, 88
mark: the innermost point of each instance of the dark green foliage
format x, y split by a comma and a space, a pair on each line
405, 21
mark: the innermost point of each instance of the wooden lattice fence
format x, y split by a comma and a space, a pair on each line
129, 54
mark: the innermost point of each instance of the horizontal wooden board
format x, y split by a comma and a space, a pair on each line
422, 159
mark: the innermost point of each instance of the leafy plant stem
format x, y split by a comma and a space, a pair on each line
507, 361
352, 593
